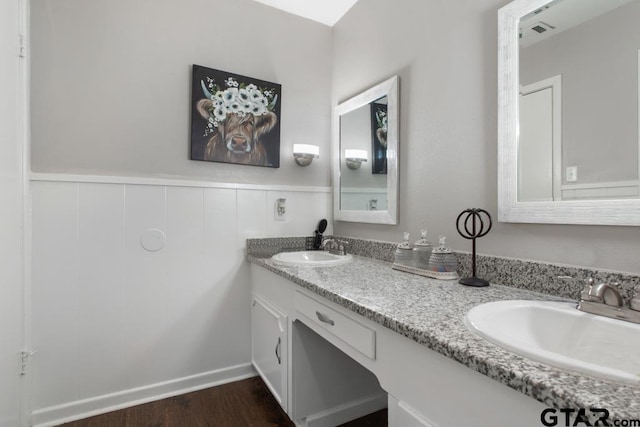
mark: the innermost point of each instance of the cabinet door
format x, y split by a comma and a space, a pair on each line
269, 347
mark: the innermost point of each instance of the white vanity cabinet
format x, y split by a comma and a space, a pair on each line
342, 365
316, 383
269, 339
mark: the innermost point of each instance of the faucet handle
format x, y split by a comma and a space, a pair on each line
328, 243
341, 245
614, 296
635, 299
586, 294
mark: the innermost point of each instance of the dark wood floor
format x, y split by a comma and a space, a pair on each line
238, 404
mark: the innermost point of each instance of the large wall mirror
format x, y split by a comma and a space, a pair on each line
568, 139
365, 166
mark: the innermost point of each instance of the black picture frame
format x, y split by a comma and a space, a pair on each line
378, 138
234, 118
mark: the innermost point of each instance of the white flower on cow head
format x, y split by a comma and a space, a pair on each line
231, 82
257, 110
243, 95
229, 95
235, 107
255, 95
212, 125
219, 114
236, 98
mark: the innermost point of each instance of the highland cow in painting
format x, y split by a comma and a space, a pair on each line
235, 119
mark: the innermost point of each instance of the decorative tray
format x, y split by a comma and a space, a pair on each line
443, 275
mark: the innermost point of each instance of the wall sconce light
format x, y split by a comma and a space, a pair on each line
354, 158
305, 153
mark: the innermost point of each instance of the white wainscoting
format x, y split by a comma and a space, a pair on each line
601, 190
114, 324
366, 199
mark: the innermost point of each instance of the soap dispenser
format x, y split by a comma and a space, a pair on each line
443, 263
422, 249
404, 252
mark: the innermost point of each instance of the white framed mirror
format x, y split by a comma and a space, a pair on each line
365, 156
568, 117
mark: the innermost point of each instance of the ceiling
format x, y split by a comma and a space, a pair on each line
327, 12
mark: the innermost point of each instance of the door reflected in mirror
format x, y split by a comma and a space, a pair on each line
578, 101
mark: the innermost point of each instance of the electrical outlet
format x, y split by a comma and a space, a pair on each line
572, 173
280, 212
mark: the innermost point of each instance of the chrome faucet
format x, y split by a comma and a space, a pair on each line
335, 246
604, 299
605, 293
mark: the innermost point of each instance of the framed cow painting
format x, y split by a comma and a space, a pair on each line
234, 118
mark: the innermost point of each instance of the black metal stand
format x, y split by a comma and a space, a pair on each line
472, 234
473, 281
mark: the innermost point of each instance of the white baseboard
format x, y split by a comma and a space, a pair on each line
56, 415
349, 411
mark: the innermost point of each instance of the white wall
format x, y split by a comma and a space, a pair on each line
446, 56
114, 323
11, 216
111, 84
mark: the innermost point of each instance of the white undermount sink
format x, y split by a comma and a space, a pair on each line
558, 334
310, 259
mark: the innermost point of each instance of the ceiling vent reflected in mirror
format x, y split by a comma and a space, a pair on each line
561, 15
542, 27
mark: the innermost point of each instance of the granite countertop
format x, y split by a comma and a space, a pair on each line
431, 312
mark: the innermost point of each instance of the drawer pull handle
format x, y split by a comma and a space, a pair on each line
324, 318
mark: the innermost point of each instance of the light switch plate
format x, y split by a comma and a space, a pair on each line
280, 210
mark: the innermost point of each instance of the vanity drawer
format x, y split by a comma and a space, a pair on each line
345, 328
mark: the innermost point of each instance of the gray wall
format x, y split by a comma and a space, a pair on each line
110, 93
599, 92
445, 54
111, 84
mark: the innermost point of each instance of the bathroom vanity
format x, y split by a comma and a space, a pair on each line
292, 324
313, 326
